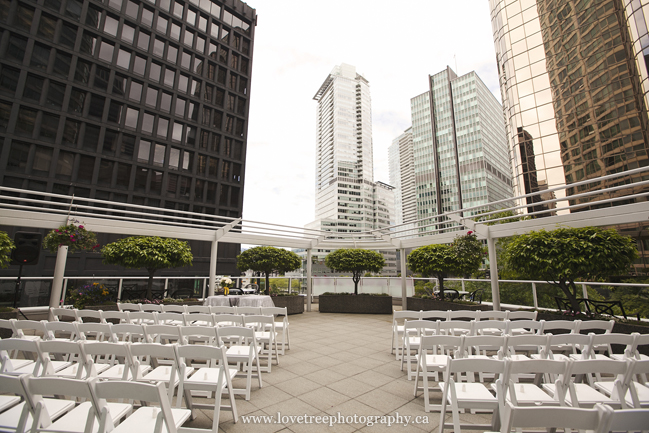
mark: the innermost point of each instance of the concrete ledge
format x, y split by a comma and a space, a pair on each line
357, 304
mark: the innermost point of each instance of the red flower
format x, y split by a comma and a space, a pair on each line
80, 227
469, 232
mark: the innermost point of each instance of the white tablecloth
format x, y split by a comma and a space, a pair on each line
240, 300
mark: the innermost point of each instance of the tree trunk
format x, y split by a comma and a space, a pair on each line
356, 278
440, 279
267, 291
572, 297
149, 287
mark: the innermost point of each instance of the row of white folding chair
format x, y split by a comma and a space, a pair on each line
216, 309
599, 419
95, 413
461, 391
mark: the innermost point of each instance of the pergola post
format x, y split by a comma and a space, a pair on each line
493, 266
215, 246
309, 289
404, 295
57, 280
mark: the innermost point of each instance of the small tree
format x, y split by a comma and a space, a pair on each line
268, 260
564, 255
463, 256
6, 245
148, 252
355, 260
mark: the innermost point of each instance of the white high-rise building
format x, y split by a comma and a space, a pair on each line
347, 198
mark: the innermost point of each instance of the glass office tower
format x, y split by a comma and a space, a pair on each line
573, 77
142, 102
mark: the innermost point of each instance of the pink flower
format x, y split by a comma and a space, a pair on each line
469, 232
80, 227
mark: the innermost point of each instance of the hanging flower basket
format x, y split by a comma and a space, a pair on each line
74, 235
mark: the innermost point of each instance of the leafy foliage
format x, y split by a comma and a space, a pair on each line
564, 255
355, 260
463, 256
88, 294
268, 260
74, 235
6, 245
148, 252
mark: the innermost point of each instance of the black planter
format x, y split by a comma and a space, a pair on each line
355, 304
423, 304
293, 304
6, 315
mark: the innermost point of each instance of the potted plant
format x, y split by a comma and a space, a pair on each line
225, 284
268, 260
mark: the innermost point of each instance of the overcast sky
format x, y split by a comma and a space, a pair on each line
395, 45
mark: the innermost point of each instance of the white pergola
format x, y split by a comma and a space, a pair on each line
26, 208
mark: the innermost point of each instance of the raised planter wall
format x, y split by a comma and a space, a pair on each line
293, 304
355, 304
419, 304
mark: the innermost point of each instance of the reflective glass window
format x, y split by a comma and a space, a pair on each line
40, 56
144, 151
33, 87
64, 165
46, 26
42, 160
147, 123
128, 33
163, 127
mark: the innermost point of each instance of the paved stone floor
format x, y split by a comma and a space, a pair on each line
338, 364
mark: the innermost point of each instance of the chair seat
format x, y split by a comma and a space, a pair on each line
13, 365
163, 374
477, 393
208, 375
529, 394
116, 372
6, 401
56, 366
74, 421
587, 395
239, 351
55, 408
439, 361
641, 390
144, 420
70, 371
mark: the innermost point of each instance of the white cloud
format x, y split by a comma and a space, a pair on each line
395, 45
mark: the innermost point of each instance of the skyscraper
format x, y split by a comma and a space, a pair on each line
460, 152
347, 198
142, 102
575, 89
402, 176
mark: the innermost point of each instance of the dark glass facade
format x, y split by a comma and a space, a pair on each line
142, 102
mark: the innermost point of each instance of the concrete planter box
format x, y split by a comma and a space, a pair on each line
419, 304
293, 304
355, 304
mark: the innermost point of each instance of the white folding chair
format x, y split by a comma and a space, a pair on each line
128, 307
245, 352
523, 346
530, 394
115, 317
220, 309
464, 315
525, 418
626, 420
455, 327
30, 360
249, 311
434, 315
493, 315
627, 340
145, 419
563, 346
20, 417
162, 334
157, 308
76, 365
214, 376
433, 356
199, 319
470, 394
559, 327
118, 358
66, 331
180, 309
412, 332
524, 327
83, 418
90, 316
175, 319
30, 329
522, 315
198, 334
204, 309
398, 318
636, 393
163, 364
63, 314
266, 337
143, 317
128, 332
227, 320
95, 332
281, 326
490, 327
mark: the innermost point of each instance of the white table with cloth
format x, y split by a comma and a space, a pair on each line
240, 301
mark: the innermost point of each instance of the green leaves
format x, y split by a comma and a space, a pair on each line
564, 255
268, 259
355, 260
6, 245
76, 236
149, 252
